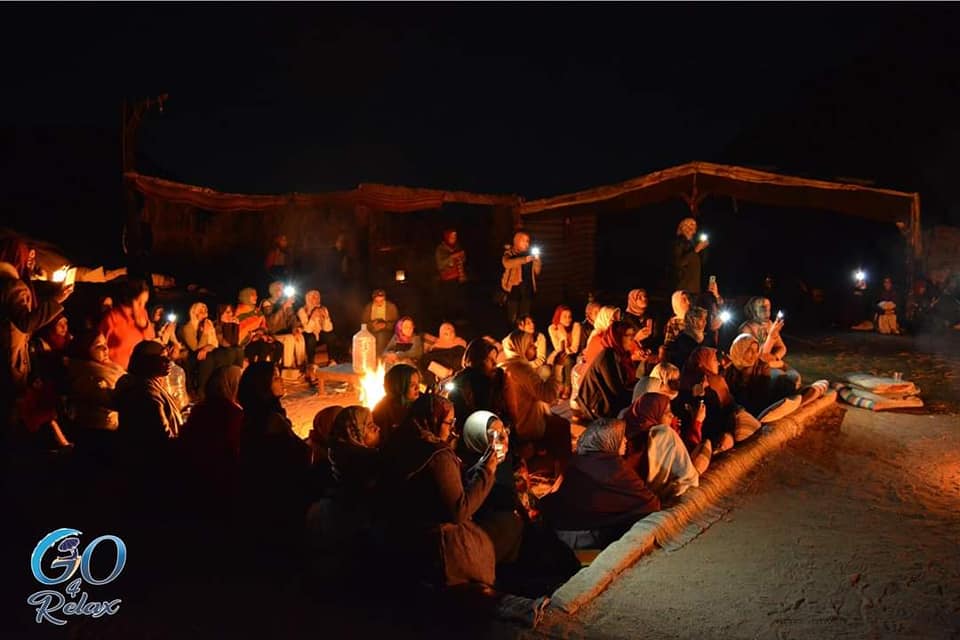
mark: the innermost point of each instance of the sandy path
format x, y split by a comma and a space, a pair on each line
851, 532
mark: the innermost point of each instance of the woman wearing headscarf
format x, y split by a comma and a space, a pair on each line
430, 507
353, 453
480, 385
754, 384
531, 560
694, 333
657, 452
313, 319
401, 386
210, 441
405, 345
252, 334
606, 316
91, 380
600, 497
688, 256
664, 379
148, 416
724, 421
607, 385
680, 303
339, 522
528, 399
274, 467
204, 351
641, 321
767, 332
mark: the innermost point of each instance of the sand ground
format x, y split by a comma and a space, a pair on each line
852, 531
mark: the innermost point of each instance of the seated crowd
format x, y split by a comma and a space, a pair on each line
435, 480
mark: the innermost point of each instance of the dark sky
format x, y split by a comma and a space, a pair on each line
530, 99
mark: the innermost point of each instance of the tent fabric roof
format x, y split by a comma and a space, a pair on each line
379, 196
704, 178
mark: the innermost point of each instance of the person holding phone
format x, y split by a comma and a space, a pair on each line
688, 257
519, 281
767, 332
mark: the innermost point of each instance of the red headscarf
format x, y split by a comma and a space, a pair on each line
645, 413
612, 338
701, 364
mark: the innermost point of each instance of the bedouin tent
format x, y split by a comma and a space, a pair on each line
555, 218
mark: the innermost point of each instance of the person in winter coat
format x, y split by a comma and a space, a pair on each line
688, 257
479, 386
22, 313
601, 496
519, 281
430, 505
401, 386
148, 416
607, 385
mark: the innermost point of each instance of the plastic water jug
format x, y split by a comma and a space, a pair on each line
364, 350
177, 385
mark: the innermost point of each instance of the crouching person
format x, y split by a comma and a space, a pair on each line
601, 496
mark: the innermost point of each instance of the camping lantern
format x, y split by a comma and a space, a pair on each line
401, 276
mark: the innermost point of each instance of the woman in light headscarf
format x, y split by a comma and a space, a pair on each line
600, 496
443, 354
589, 317
663, 379
680, 303
753, 383
688, 256
768, 335
605, 317
657, 452
313, 319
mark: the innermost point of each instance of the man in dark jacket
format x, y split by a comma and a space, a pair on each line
688, 257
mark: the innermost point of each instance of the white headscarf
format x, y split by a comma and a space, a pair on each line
605, 317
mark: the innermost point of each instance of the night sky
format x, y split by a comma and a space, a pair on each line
528, 99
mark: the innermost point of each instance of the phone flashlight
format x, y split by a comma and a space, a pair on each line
60, 275
780, 315
725, 316
448, 387
171, 317
703, 237
289, 291
535, 252
859, 275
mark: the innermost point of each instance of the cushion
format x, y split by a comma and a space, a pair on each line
779, 409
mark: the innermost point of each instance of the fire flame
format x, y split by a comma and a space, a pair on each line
371, 387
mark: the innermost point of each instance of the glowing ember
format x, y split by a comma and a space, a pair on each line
371, 387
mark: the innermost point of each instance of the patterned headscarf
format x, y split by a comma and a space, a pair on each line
398, 331
351, 425
633, 302
602, 436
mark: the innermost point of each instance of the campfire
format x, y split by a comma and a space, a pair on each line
371, 387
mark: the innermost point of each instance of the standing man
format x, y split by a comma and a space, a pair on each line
451, 261
688, 257
521, 266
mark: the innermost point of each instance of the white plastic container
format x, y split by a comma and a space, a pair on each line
364, 350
